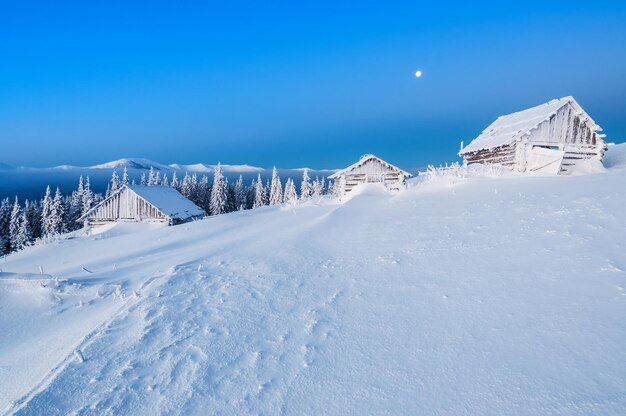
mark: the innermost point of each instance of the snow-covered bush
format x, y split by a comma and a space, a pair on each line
455, 173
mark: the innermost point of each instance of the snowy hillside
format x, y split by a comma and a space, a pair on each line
494, 295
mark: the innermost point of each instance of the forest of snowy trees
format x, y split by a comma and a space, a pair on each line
21, 224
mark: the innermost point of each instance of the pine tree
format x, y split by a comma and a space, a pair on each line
5, 219
14, 225
305, 186
46, 207
204, 194
175, 183
55, 220
115, 181
151, 177
157, 179
219, 192
142, 181
33, 215
316, 190
25, 234
240, 195
276, 189
165, 181
125, 176
259, 194
290, 192
185, 186
193, 193
76, 203
87, 197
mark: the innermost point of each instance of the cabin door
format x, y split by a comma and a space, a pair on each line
545, 160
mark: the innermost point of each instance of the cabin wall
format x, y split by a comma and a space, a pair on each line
571, 133
373, 171
565, 127
503, 155
125, 206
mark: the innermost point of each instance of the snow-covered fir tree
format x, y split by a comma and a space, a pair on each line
165, 181
240, 195
276, 189
14, 224
76, 203
185, 186
291, 197
305, 186
143, 181
259, 194
203, 194
316, 189
87, 197
32, 211
219, 192
5, 220
175, 184
24, 234
125, 176
46, 207
151, 177
157, 179
115, 181
55, 220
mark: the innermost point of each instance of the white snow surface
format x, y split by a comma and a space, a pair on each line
479, 296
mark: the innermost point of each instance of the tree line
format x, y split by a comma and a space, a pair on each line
23, 224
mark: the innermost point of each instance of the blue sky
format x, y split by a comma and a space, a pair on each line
293, 83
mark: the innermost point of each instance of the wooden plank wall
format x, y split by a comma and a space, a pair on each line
126, 206
564, 127
373, 171
503, 155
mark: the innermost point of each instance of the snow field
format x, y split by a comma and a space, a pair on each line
481, 295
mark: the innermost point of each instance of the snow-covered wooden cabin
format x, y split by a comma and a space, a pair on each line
552, 137
370, 169
136, 203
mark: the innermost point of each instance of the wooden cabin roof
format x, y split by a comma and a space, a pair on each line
511, 127
164, 198
362, 161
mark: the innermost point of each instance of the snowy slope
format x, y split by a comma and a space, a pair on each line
494, 296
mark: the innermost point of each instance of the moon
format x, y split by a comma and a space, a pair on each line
418, 74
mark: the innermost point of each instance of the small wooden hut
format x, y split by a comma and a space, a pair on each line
370, 169
552, 137
136, 203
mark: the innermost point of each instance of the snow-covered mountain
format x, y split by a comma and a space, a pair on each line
28, 182
132, 163
462, 295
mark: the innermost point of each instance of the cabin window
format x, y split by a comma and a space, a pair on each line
548, 147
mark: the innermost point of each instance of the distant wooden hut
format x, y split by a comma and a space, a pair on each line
370, 169
552, 137
136, 203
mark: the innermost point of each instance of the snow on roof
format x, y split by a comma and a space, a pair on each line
366, 158
509, 128
167, 200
